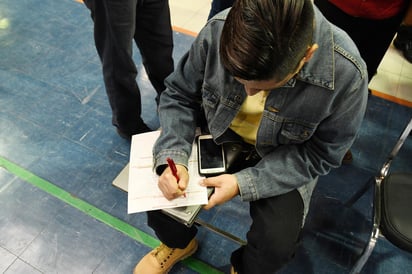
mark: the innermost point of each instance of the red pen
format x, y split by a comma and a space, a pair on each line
172, 166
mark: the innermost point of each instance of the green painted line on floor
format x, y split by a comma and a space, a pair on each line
98, 214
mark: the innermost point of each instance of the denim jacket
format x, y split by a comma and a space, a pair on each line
307, 125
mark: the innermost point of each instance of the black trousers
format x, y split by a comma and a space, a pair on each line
116, 24
271, 240
218, 6
372, 37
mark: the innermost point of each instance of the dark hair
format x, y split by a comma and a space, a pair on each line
262, 39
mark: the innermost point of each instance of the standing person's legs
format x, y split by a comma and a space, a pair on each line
372, 37
154, 38
373, 44
114, 28
273, 235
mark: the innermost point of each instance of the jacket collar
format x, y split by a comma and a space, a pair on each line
320, 70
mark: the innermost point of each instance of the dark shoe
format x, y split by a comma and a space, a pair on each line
348, 158
403, 41
161, 259
403, 36
128, 135
407, 51
142, 129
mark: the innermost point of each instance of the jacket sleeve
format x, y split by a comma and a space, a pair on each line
180, 103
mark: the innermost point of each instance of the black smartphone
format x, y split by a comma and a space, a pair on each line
211, 156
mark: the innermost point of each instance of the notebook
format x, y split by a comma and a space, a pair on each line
147, 196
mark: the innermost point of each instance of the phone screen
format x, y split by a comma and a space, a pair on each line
211, 158
211, 154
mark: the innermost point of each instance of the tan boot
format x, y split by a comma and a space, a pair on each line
232, 270
161, 259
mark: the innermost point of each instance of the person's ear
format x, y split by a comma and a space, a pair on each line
309, 52
308, 55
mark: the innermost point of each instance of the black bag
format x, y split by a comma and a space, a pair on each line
240, 156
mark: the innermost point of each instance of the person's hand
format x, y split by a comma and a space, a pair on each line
169, 185
226, 188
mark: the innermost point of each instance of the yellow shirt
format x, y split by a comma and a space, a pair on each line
246, 122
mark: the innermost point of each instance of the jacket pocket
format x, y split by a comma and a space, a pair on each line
295, 132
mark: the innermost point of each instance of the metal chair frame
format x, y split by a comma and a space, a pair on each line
377, 181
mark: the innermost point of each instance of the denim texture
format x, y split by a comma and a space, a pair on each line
307, 125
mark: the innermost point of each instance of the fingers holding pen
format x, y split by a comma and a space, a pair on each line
170, 186
183, 176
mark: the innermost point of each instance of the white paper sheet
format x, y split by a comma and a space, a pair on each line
143, 192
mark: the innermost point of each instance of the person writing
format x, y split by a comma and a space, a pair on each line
277, 77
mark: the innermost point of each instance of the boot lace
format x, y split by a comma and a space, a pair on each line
162, 254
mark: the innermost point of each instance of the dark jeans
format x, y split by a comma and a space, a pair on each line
372, 37
218, 6
271, 240
116, 24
